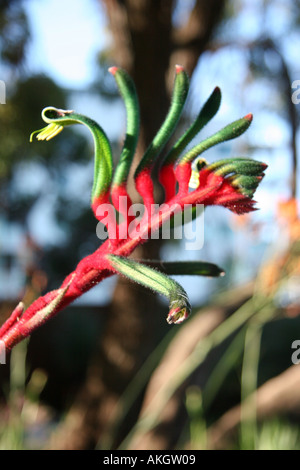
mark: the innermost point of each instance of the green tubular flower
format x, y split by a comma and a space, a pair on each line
57, 119
207, 112
233, 130
157, 281
242, 173
128, 93
246, 184
180, 91
237, 165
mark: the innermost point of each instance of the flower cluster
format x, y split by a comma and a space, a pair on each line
187, 179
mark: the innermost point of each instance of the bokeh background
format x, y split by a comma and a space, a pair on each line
108, 372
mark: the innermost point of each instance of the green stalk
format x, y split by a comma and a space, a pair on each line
249, 386
226, 363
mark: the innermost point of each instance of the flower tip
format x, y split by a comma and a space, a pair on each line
50, 114
20, 307
179, 310
249, 117
177, 315
179, 68
19, 310
113, 70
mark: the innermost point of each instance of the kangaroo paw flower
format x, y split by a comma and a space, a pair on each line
188, 180
142, 175
166, 174
57, 119
128, 93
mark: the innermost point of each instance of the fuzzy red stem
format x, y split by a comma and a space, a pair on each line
183, 174
144, 186
168, 180
95, 267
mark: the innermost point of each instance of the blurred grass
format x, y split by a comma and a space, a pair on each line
244, 330
238, 339
22, 401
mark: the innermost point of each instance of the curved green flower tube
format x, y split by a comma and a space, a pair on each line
207, 112
180, 91
57, 119
128, 93
179, 306
231, 131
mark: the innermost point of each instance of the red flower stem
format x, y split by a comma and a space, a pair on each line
96, 267
168, 181
183, 175
144, 185
119, 196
